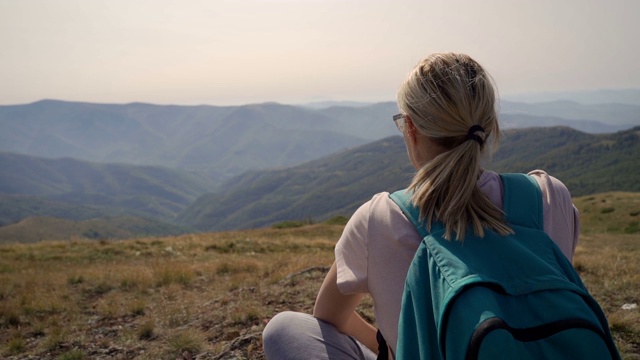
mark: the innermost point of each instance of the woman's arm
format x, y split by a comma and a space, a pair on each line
339, 310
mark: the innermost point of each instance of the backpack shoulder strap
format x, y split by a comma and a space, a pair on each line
403, 199
522, 200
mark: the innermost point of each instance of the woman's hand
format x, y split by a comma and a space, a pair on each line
339, 310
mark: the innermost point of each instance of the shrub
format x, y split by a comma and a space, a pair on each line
223, 269
16, 345
337, 220
75, 354
101, 288
137, 306
173, 274
75, 279
288, 224
187, 340
55, 337
225, 248
178, 315
10, 316
633, 227
146, 330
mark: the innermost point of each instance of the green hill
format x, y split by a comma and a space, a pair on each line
14, 208
586, 163
318, 189
314, 191
78, 189
35, 229
338, 184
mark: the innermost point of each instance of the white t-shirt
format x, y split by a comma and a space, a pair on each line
378, 244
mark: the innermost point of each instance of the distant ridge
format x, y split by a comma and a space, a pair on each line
328, 104
319, 189
218, 142
338, 184
228, 167
616, 116
78, 190
603, 96
97, 199
224, 141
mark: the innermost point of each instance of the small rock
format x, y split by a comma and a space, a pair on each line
629, 306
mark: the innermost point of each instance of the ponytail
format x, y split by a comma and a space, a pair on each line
450, 99
449, 194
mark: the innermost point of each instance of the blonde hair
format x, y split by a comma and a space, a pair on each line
444, 96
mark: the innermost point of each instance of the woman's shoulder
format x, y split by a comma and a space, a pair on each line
561, 218
380, 215
550, 186
379, 205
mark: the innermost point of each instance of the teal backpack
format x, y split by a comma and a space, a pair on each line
498, 297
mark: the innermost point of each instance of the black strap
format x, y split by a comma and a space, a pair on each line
383, 349
531, 334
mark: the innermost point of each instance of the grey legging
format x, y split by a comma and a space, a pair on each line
291, 335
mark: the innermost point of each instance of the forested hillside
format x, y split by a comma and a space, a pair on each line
586, 163
248, 166
77, 190
337, 184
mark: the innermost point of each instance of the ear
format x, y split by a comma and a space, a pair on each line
412, 131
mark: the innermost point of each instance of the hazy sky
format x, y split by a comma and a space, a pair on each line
245, 51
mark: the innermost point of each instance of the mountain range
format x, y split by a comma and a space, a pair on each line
338, 184
629, 96
155, 169
218, 142
150, 200
224, 141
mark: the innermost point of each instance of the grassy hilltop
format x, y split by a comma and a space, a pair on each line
208, 296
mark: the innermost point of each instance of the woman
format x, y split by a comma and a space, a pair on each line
448, 114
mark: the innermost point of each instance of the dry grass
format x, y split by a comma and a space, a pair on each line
210, 295
609, 213
610, 268
159, 298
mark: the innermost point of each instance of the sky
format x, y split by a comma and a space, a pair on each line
216, 52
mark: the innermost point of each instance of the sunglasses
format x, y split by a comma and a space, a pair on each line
398, 119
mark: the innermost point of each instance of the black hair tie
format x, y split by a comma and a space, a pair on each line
471, 134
